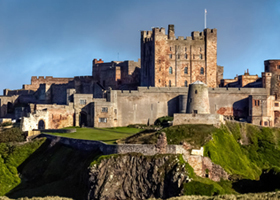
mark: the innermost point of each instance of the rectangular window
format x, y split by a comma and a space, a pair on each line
104, 109
276, 104
170, 55
103, 120
278, 67
83, 101
265, 123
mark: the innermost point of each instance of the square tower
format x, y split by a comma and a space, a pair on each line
178, 62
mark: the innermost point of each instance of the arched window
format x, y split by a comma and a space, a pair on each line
170, 70
169, 83
186, 70
186, 83
186, 56
201, 70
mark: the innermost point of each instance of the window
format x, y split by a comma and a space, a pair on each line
170, 55
276, 104
169, 83
193, 56
83, 101
178, 56
103, 120
186, 56
200, 56
195, 91
185, 48
170, 70
195, 111
278, 67
201, 70
186, 83
200, 49
159, 80
257, 102
186, 70
104, 109
170, 48
265, 123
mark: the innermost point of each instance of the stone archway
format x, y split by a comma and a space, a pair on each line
41, 125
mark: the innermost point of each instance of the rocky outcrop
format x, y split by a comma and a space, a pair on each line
134, 176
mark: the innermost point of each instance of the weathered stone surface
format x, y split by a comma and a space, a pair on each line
134, 176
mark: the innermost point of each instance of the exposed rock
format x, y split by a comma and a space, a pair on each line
134, 176
161, 143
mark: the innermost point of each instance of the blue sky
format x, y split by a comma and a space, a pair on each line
60, 38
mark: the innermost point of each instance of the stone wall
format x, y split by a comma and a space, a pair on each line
116, 74
215, 119
48, 80
145, 105
199, 163
177, 62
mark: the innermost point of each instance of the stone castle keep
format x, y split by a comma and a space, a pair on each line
176, 76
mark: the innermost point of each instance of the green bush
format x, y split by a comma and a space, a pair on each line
163, 120
11, 135
6, 124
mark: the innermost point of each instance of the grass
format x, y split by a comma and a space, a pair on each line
11, 157
106, 135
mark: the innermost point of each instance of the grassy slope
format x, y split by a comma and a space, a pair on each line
260, 147
107, 135
11, 157
54, 170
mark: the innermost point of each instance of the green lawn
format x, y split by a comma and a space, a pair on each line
107, 135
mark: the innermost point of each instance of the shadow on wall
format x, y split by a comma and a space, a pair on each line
173, 106
240, 108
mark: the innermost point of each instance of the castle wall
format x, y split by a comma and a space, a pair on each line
145, 105
6, 104
180, 118
116, 74
232, 101
273, 66
54, 117
48, 80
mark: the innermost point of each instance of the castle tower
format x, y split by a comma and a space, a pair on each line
167, 61
273, 66
198, 99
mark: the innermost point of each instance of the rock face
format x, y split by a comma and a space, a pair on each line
134, 176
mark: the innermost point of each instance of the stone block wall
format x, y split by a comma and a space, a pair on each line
177, 62
215, 119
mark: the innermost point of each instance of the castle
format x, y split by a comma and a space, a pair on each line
158, 84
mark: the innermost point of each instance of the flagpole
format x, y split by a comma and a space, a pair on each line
205, 12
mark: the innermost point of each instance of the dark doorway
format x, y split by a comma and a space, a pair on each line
41, 124
83, 119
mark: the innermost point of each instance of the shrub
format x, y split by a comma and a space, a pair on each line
6, 124
11, 135
163, 120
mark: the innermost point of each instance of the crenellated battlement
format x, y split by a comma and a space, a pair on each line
195, 35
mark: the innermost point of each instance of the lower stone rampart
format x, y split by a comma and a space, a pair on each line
91, 145
202, 166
